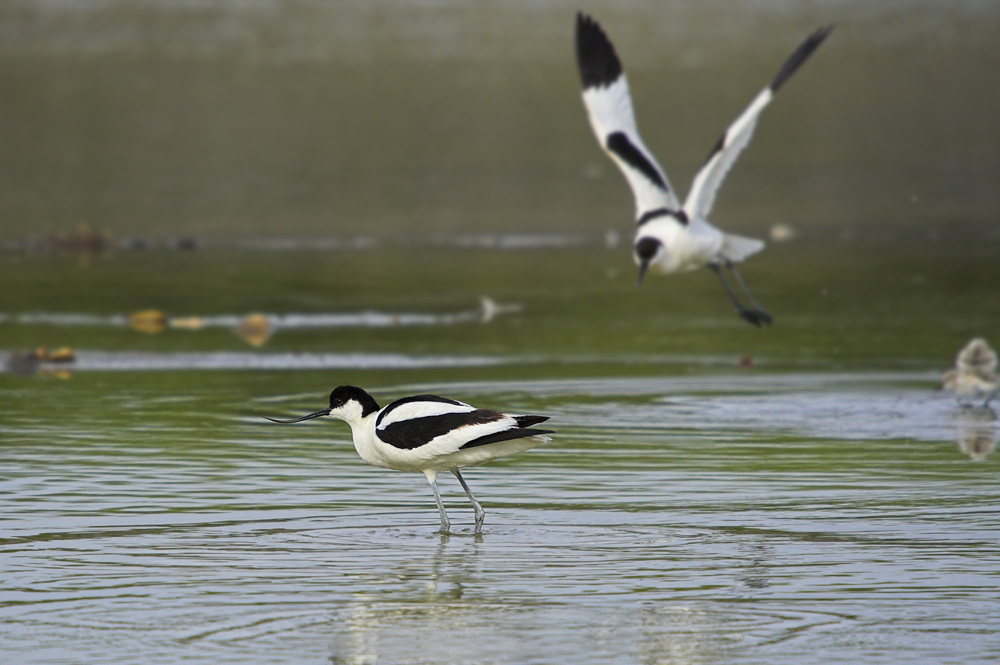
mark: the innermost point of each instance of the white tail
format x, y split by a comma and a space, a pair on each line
737, 248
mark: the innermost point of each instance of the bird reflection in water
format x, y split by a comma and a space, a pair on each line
425, 596
977, 431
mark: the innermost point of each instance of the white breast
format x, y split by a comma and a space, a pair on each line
687, 247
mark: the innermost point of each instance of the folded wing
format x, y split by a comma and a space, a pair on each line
439, 426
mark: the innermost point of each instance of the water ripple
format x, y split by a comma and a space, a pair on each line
784, 519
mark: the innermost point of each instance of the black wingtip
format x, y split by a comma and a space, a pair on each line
528, 421
800, 55
595, 56
506, 435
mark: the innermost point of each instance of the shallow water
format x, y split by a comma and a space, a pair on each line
773, 518
713, 492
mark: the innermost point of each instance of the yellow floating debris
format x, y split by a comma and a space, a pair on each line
187, 323
255, 329
148, 321
60, 355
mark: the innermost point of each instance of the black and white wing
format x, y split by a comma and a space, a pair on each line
737, 136
438, 426
609, 107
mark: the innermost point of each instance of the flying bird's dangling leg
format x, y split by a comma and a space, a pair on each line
761, 312
748, 315
480, 513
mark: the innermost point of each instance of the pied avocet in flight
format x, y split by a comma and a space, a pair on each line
430, 434
671, 237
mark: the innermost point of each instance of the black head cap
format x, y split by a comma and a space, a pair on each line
646, 250
341, 395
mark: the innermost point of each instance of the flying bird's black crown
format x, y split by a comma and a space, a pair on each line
595, 56
647, 248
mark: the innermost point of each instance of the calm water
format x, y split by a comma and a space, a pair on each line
824, 504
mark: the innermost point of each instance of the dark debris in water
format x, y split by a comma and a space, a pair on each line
41, 360
84, 241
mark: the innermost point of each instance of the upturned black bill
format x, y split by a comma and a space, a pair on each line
317, 414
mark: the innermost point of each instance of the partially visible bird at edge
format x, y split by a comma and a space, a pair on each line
974, 375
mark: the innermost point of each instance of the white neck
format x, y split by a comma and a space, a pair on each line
350, 413
363, 435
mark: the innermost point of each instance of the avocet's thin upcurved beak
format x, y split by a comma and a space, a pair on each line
642, 271
317, 414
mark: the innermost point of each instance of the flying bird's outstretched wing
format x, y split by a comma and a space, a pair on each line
609, 107
702, 195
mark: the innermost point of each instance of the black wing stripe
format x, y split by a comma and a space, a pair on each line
801, 54
650, 215
506, 435
719, 147
619, 144
416, 432
414, 398
595, 56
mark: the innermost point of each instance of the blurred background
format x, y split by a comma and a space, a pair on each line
230, 119
374, 134
213, 210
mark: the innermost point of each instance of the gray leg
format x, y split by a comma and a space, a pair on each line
445, 524
747, 314
764, 316
480, 513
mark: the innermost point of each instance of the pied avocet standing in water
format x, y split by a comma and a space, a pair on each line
430, 434
671, 237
